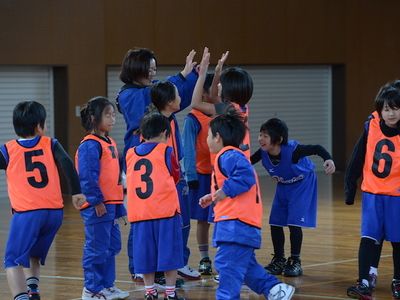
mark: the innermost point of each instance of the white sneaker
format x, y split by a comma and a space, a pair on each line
189, 273
88, 295
281, 291
114, 293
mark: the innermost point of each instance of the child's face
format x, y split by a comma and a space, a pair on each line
390, 116
175, 104
214, 142
265, 141
107, 119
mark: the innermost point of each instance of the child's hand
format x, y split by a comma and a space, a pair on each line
205, 61
221, 62
329, 167
189, 63
205, 201
219, 195
78, 200
101, 209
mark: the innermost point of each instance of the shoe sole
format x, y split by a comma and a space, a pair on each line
358, 296
188, 277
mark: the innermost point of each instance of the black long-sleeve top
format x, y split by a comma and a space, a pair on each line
299, 152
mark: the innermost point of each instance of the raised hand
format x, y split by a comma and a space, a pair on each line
205, 61
189, 63
221, 62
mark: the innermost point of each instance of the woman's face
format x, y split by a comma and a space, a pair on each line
152, 69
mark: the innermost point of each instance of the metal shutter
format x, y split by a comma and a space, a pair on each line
300, 95
20, 83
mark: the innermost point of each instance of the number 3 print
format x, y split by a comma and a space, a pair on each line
145, 177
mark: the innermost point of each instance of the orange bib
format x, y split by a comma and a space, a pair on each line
32, 177
246, 207
151, 188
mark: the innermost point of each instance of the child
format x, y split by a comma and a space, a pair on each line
153, 206
375, 255
137, 73
238, 215
99, 173
295, 200
33, 164
197, 165
166, 100
235, 89
376, 158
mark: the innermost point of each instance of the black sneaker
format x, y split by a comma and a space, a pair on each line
293, 267
150, 296
396, 289
34, 295
205, 266
159, 279
359, 291
175, 297
276, 266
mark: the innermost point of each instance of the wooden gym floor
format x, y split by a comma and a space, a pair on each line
329, 253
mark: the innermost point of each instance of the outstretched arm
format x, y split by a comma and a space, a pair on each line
216, 79
197, 102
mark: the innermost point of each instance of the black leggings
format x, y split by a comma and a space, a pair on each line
278, 240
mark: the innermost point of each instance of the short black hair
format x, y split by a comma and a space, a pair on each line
277, 130
136, 65
162, 93
153, 124
91, 112
237, 85
389, 95
231, 128
27, 115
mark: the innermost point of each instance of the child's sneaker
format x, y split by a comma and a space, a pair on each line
189, 273
281, 291
175, 297
293, 267
359, 291
216, 279
276, 266
372, 280
115, 293
396, 289
88, 295
205, 266
159, 280
150, 296
34, 295
137, 278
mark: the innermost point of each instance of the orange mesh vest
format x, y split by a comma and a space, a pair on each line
203, 160
381, 173
32, 177
171, 141
109, 177
151, 188
245, 146
246, 207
